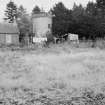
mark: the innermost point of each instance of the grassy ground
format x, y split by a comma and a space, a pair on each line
59, 72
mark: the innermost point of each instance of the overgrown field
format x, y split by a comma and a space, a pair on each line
59, 75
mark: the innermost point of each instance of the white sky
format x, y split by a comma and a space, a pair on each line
46, 4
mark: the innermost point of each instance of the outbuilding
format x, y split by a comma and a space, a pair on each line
42, 25
9, 34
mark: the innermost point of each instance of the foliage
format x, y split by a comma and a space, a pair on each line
101, 7
91, 9
21, 11
61, 20
11, 12
36, 10
24, 23
88, 22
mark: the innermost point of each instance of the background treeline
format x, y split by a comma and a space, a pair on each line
88, 22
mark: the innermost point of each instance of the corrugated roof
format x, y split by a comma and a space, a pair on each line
8, 28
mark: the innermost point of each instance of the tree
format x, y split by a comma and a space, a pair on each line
24, 23
21, 11
91, 9
101, 16
61, 20
11, 12
36, 10
78, 19
88, 22
77, 12
101, 7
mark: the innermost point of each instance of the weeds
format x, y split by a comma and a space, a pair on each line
87, 98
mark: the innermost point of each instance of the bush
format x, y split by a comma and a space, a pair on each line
49, 37
100, 43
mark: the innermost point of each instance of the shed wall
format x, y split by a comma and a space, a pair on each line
9, 39
2, 38
15, 39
